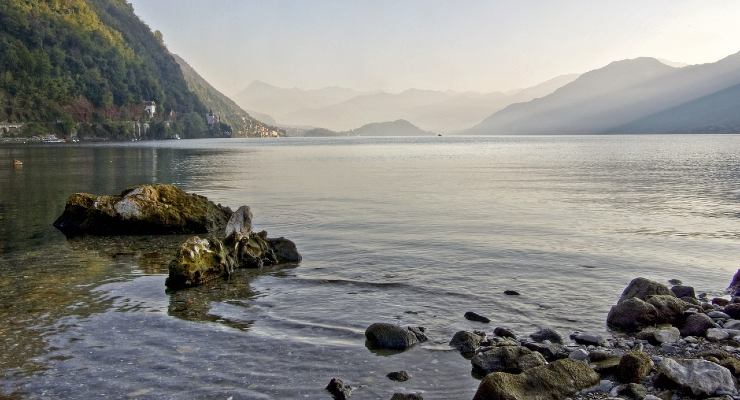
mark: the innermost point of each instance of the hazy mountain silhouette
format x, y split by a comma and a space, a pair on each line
399, 127
342, 109
602, 100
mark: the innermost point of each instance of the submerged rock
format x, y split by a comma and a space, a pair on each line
465, 342
548, 382
472, 316
382, 335
550, 334
398, 376
141, 210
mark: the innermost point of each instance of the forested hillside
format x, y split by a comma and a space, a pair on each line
87, 68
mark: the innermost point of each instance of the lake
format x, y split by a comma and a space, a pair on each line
406, 230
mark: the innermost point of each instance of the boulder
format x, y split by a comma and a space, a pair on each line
142, 210
683, 291
407, 396
551, 351
724, 359
589, 339
696, 325
285, 250
514, 359
634, 366
239, 223
642, 288
466, 342
716, 334
550, 334
733, 310
338, 389
504, 332
669, 308
631, 315
198, 261
386, 336
700, 377
658, 336
554, 381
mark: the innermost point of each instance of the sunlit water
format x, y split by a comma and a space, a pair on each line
407, 230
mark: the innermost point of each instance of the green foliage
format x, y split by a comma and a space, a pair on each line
68, 62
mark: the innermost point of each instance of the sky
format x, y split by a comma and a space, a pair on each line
461, 45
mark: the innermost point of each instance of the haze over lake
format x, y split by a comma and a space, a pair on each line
413, 230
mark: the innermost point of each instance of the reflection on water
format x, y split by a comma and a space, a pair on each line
412, 230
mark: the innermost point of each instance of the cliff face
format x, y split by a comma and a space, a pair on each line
241, 123
88, 67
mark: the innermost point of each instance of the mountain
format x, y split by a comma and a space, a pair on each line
342, 109
399, 127
605, 99
241, 123
389, 128
272, 100
714, 113
90, 68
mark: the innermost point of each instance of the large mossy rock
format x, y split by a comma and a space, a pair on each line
554, 381
141, 210
642, 288
631, 315
513, 359
198, 261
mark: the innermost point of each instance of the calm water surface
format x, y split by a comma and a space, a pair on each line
408, 230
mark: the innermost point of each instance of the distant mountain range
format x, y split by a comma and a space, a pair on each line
342, 109
399, 127
642, 95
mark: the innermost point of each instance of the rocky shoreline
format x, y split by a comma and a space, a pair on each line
664, 343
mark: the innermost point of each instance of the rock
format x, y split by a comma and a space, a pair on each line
634, 366
398, 376
716, 334
732, 324
547, 334
239, 223
669, 308
504, 332
578, 354
733, 310
717, 315
631, 315
604, 386
198, 261
465, 342
631, 391
551, 351
720, 301
588, 339
511, 293
734, 288
642, 288
549, 382
700, 377
418, 331
141, 210
471, 316
667, 335
407, 396
607, 365
382, 335
683, 291
514, 359
338, 389
724, 359
696, 325
285, 250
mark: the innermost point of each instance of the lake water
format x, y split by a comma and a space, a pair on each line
408, 230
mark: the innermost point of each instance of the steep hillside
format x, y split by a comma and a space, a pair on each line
88, 67
242, 124
614, 96
716, 113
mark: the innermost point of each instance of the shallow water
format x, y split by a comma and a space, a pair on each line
408, 230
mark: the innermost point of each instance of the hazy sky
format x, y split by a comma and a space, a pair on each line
392, 45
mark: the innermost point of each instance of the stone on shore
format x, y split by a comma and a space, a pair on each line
631, 315
642, 288
548, 382
683, 291
465, 342
634, 366
386, 336
513, 359
142, 210
696, 325
669, 308
550, 334
733, 310
700, 377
